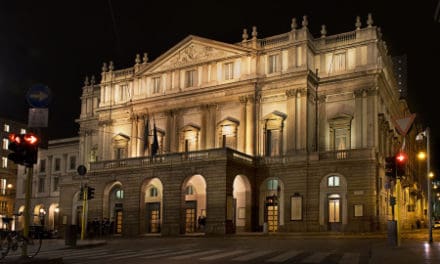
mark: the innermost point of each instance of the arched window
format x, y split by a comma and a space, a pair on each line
153, 192
119, 194
272, 185
189, 190
333, 181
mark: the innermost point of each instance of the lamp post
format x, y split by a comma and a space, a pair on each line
428, 168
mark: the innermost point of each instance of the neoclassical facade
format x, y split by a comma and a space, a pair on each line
282, 134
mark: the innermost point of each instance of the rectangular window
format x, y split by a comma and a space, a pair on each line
296, 208
274, 63
42, 166
190, 78
5, 143
57, 164
4, 162
358, 210
339, 62
3, 207
23, 186
22, 131
6, 128
72, 162
56, 182
41, 183
229, 71
156, 85
3, 186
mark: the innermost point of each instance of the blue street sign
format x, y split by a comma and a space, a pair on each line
39, 96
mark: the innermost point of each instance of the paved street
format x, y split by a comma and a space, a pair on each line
250, 248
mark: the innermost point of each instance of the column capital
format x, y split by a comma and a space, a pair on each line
291, 93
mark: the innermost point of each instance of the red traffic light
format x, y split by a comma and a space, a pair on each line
14, 138
31, 139
401, 157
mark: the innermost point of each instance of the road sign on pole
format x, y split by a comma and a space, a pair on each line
38, 117
403, 124
39, 96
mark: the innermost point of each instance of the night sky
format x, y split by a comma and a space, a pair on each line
59, 43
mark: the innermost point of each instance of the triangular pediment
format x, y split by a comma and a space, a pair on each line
194, 50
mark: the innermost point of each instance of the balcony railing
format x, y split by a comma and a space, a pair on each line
173, 158
229, 154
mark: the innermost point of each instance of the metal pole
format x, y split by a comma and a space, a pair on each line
27, 205
398, 195
84, 216
429, 184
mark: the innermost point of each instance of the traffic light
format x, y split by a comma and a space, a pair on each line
401, 159
16, 147
24, 148
31, 142
390, 166
90, 193
81, 194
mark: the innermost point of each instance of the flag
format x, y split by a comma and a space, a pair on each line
146, 133
155, 145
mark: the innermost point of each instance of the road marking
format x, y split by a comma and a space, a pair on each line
143, 253
349, 258
169, 254
223, 255
197, 254
116, 254
316, 257
253, 255
285, 256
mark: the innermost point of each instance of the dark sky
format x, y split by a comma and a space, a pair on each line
58, 43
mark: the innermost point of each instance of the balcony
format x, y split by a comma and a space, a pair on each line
174, 159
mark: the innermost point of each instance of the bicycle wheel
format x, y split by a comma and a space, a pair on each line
33, 245
4, 246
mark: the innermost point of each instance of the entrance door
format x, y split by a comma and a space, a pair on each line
271, 213
334, 212
118, 217
153, 217
190, 216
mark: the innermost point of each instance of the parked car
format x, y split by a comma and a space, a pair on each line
436, 224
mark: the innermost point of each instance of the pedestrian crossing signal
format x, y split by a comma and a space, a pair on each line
90, 193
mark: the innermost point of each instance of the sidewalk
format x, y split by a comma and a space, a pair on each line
50, 245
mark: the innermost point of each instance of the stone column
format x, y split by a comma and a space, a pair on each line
290, 121
322, 123
358, 117
134, 136
372, 125
242, 138
301, 119
140, 131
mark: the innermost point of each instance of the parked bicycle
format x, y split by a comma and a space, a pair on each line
13, 240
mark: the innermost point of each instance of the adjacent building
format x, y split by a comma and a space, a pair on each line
282, 134
8, 171
55, 164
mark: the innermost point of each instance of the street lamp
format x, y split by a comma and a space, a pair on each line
420, 136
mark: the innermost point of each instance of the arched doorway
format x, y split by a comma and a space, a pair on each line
272, 204
151, 206
243, 204
194, 197
333, 202
113, 208
53, 216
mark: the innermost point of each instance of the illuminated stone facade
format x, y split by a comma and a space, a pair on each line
285, 133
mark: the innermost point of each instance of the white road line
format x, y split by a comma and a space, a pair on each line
350, 258
223, 255
285, 256
253, 255
316, 257
119, 253
197, 254
169, 254
143, 253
